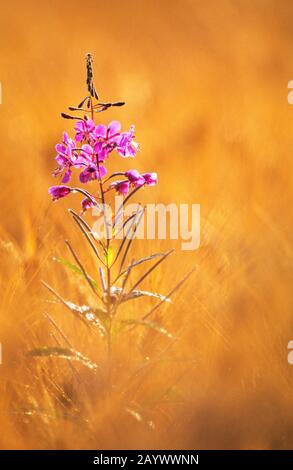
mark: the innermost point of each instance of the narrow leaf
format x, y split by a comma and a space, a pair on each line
137, 263
109, 256
62, 353
137, 222
170, 293
86, 276
73, 268
89, 316
138, 293
132, 218
150, 324
148, 272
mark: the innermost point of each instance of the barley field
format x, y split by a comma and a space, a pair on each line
206, 85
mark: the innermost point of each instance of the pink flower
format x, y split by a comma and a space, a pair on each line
107, 133
84, 130
88, 159
65, 157
92, 172
59, 191
135, 178
86, 204
103, 149
151, 179
121, 187
97, 142
126, 146
87, 154
107, 139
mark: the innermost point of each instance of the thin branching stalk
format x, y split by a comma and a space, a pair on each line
150, 270
77, 220
139, 218
184, 279
131, 219
137, 263
89, 230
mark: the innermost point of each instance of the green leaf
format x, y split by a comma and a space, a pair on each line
73, 268
109, 256
69, 265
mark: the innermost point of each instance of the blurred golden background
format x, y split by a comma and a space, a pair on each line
205, 83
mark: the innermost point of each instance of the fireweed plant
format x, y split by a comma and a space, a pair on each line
88, 154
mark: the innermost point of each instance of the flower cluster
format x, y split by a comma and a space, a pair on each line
89, 151
134, 179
